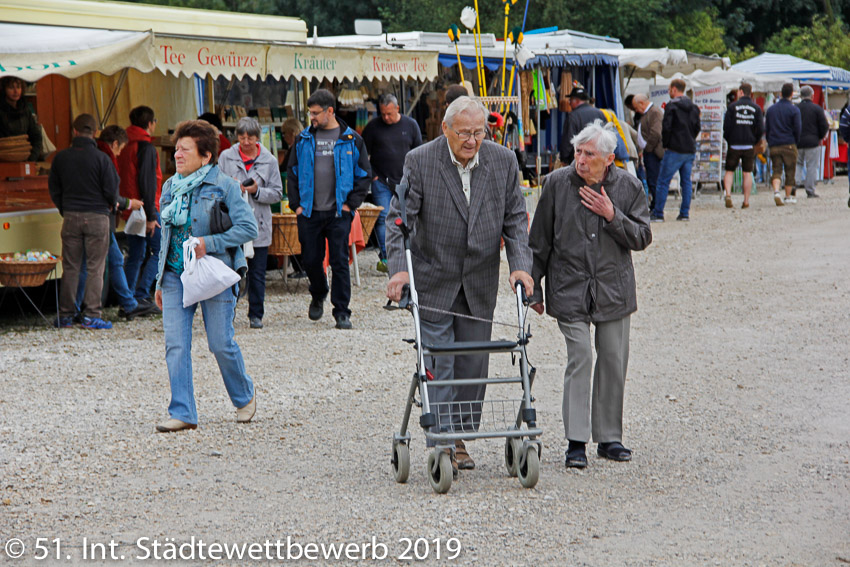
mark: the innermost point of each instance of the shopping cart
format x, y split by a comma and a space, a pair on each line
511, 419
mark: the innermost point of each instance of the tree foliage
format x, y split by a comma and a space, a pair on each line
740, 29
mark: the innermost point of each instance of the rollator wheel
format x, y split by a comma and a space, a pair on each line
529, 471
401, 462
440, 471
513, 449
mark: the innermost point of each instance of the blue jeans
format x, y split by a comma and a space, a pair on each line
138, 277
653, 164
117, 278
218, 322
670, 164
382, 195
257, 281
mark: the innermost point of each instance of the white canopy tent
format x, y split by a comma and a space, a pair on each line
32, 52
799, 69
729, 79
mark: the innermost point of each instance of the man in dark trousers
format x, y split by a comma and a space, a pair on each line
679, 130
649, 141
782, 126
743, 127
388, 138
84, 187
141, 178
814, 130
328, 178
581, 115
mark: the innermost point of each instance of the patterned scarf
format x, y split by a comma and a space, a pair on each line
177, 211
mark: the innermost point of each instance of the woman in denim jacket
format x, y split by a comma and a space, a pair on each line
186, 203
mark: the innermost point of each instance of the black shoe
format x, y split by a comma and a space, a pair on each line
812, 195
298, 275
576, 459
142, 309
614, 451
317, 309
255, 322
794, 192
576, 456
653, 218
681, 218
343, 321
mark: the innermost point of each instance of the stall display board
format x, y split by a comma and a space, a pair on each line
708, 164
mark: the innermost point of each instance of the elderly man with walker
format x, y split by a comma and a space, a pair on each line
589, 218
464, 195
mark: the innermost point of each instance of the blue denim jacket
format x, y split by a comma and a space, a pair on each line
216, 186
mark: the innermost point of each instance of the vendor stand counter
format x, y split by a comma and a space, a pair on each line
28, 218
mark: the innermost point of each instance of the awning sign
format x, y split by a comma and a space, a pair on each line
188, 56
347, 63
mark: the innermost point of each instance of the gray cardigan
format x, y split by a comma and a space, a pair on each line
266, 173
587, 261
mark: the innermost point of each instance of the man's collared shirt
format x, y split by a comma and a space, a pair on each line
464, 172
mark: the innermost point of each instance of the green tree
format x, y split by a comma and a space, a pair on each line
824, 41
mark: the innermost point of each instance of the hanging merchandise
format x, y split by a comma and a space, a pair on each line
564, 93
526, 81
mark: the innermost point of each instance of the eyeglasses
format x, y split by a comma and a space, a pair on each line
464, 136
314, 114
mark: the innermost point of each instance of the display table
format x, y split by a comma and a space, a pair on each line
285, 237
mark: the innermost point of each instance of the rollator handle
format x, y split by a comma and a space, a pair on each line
403, 303
520, 289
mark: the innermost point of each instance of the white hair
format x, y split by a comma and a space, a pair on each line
464, 104
601, 135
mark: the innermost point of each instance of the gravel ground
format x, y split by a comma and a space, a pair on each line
736, 409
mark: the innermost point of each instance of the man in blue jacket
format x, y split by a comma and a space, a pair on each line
782, 130
328, 178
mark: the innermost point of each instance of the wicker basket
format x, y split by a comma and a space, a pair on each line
25, 274
285, 235
368, 218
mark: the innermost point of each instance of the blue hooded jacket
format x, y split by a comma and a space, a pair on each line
353, 172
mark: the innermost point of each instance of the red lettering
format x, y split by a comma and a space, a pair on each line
172, 58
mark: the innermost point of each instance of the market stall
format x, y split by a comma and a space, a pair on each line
166, 58
823, 79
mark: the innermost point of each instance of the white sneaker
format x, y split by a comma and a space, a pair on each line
790, 200
777, 198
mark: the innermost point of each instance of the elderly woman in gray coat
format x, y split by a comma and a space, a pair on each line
590, 217
249, 160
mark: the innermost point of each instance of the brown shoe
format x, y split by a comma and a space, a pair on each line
454, 462
745, 205
173, 425
246, 412
464, 461
729, 201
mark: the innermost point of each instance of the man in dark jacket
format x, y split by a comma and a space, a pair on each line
327, 180
83, 185
743, 127
814, 130
679, 130
649, 141
589, 218
581, 115
782, 130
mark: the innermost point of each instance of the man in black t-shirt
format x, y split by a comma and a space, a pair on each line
388, 138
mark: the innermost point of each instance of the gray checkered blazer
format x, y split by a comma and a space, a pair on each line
454, 243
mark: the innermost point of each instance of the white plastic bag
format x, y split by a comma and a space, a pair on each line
136, 225
205, 277
248, 247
